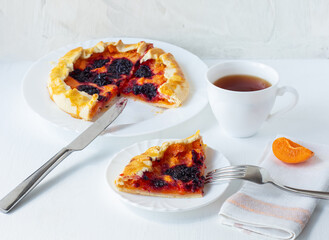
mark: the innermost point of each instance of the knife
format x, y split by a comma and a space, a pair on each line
78, 144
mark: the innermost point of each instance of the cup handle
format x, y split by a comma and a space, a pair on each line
281, 91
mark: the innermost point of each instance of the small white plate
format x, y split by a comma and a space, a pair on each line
212, 192
137, 118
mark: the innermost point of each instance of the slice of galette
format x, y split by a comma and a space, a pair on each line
85, 81
174, 169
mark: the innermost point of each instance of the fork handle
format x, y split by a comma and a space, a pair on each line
308, 193
19, 192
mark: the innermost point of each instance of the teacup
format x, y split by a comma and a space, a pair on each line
242, 113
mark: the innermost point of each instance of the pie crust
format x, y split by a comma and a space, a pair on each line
174, 169
169, 83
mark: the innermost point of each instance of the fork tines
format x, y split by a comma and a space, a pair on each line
225, 173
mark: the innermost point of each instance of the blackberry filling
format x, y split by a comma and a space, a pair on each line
101, 98
158, 183
190, 176
143, 71
196, 158
184, 173
137, 64
88, 89
99, 63
102, 79
147, 89
118, 67
145, 177
82, 76
194, 185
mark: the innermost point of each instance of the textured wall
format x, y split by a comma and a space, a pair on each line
209, 28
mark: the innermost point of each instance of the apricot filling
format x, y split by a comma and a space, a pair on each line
85, 82
179, 172
131, 77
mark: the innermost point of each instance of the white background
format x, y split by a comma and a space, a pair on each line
208, 28
73, 202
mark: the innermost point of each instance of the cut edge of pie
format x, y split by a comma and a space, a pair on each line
143, 164
80, 104
176, 88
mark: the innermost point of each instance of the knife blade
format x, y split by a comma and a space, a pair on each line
83, 140
98, 126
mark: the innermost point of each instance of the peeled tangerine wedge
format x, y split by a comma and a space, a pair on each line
289, 151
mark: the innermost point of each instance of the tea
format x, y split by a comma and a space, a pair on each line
242, 83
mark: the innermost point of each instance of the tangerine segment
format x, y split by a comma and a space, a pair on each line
289, 151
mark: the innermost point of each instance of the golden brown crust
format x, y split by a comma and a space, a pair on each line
144, 163
167, 195
176, 88
78, 103
72, 101
82, 105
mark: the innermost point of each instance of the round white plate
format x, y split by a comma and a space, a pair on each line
137, 118
211, 192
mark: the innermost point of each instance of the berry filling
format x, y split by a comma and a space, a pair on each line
147, 89
91, 91
187, 179
197, 158
103, 79
180, 171
95, 74
100, 63
158, 183
118, 67
82, 75
143, 71
183, 173
88, 89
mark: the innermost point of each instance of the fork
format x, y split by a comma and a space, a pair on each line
257, 175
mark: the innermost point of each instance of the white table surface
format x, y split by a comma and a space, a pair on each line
73, 202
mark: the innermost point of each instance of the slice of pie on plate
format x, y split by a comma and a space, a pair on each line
86, 81
174, 169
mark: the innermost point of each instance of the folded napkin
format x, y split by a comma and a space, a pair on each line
269, 211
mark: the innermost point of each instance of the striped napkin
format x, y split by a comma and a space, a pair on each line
269, 211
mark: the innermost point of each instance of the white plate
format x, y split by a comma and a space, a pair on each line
212, 192
137, 118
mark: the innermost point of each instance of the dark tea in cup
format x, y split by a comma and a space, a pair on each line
242, 94
242, 83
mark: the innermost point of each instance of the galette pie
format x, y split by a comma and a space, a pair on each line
174, 169
86, 81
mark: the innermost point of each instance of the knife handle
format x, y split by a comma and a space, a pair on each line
19, 192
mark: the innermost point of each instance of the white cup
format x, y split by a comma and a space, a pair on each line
241, 114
